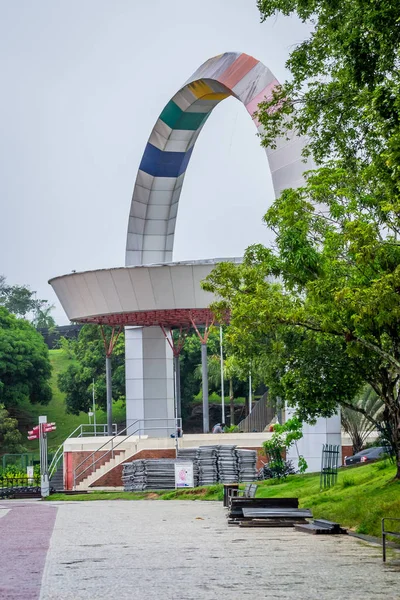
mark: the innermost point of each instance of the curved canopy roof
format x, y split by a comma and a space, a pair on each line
168, 294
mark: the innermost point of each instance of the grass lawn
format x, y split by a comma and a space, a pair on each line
362, 496
55, 410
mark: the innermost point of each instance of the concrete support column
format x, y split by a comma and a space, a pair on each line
149, 381
325, 431
177, 369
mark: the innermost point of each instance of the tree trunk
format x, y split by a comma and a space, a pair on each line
394, 417
357, 443
231, 402
396, 440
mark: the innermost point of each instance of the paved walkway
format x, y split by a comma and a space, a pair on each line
176, 550
185, 550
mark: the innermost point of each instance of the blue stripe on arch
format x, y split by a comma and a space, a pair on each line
160, 163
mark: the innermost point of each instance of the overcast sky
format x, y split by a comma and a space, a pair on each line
83, 82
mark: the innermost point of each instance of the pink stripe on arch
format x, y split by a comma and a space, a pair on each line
237, 70
266, 93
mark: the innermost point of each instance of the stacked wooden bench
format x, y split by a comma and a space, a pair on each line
266, 512
245, 510
321, 527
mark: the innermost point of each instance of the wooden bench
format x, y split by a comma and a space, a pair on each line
249, 491
235, 512
385, 533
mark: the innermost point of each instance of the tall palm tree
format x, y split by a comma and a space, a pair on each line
357, 424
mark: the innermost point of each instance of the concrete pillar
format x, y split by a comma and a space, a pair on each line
325, 431
149, 381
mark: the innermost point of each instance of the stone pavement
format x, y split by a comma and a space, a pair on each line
184, 550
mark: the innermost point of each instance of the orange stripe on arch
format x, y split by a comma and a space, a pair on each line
237, 70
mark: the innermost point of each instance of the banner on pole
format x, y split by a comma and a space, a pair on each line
184, 475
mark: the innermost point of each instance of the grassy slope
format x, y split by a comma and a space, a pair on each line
55, 410
362, 496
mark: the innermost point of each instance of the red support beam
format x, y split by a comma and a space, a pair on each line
175, 345
208, 324
109, 345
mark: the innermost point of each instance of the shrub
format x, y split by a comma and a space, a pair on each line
232, 429
348, 482
283, 437
277, 469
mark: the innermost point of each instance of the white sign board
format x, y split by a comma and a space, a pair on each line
29, 472
184, 475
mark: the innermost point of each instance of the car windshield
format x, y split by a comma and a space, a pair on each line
364, 452
380, 450
374, 451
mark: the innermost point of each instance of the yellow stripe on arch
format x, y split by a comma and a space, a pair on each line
215, 96
200, 88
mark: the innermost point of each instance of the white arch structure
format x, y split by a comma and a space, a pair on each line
151, 286
168, 151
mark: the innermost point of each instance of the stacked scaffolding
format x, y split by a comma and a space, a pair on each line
227, 464
246, 464
149, 474
207, 465
211, 464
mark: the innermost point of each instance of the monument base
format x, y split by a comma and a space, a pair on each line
325, 431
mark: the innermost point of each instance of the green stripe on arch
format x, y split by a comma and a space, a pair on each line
175, 118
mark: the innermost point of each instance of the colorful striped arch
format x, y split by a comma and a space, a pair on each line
162, 169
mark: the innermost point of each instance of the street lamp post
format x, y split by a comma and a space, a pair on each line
222, 374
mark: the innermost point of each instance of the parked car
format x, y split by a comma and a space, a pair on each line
366, 456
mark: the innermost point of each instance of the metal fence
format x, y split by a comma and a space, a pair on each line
389, 532
19, 486
20, 461
329, 465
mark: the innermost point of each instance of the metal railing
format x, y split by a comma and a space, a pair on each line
83, 430
93, 430
9, 486
260, 416
395, 534
174, 430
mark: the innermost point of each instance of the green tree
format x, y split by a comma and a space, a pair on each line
359, 425
24, 364
189, 359
42, 318
88, 355
22, 302
10, 436
282, 439
337, 253
18, 299
233, 378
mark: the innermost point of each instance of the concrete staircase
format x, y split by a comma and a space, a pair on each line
57, 481
110, 464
